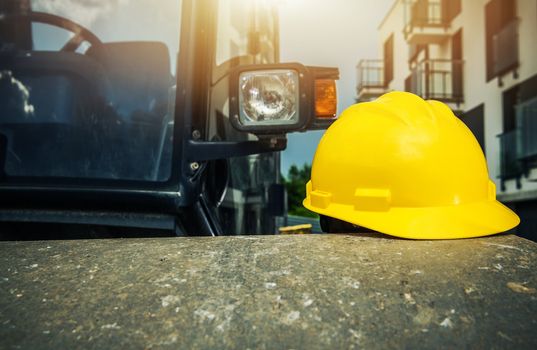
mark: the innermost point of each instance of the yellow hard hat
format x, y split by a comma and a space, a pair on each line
408, 168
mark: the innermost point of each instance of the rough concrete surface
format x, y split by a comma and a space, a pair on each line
275, 292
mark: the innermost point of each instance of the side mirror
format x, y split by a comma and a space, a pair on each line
279, 98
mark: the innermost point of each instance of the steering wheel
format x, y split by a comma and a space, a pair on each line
81, 33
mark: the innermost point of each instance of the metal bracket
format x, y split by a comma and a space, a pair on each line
199, 151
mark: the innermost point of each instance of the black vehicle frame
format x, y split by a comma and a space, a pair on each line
181, 203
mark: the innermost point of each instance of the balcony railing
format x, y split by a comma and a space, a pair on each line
370, 78
510, 145
438, 79
424, 14
370, 74
505, 49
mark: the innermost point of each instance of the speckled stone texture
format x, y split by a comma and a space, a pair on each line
276, 292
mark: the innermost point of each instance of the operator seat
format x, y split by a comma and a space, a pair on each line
140, 78
139, 74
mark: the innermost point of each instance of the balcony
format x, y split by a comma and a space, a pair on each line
505, 49
370, 80
510, 166
437, 79
428, 21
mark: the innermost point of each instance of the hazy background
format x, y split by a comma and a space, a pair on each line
336, 33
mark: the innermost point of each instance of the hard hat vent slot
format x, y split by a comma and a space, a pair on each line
372, 199
320, 199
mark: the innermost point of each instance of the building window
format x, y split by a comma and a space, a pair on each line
450, 9
526, 115
457, 65
510, 166
416, 52
388, 61
518, 146
520, 114
501, 37
408, 83
475, 121
430, 13
510, 100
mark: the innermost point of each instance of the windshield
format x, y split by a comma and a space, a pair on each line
87, 88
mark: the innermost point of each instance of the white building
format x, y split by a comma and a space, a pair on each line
480, 57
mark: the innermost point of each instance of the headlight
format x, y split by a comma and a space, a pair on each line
269, 97
275, 99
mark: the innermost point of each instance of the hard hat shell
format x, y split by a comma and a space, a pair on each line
406, 167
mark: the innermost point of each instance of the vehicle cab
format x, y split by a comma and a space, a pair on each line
136, 118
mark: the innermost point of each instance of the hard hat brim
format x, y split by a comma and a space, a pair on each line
450, 222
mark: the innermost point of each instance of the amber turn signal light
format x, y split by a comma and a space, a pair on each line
325, 98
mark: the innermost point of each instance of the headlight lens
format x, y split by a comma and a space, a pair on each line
269, 97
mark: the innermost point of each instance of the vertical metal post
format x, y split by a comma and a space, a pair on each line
3, 154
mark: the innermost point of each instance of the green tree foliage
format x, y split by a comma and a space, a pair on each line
295, 182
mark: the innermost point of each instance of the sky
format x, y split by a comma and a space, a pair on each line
336, 33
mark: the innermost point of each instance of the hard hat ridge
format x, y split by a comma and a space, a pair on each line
409, 107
